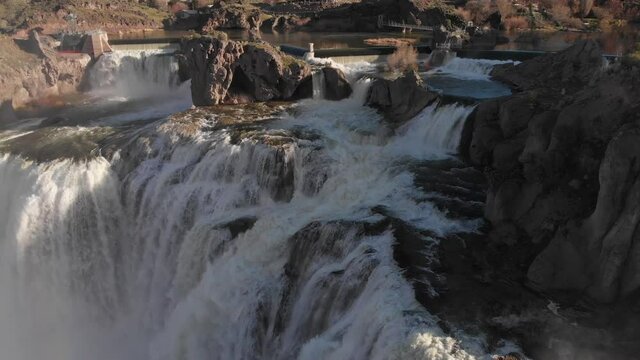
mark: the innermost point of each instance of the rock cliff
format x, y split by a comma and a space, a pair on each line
33, 70
401, 98
233, 16
561, 156
231, 72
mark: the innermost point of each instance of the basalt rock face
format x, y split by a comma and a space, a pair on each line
232, 16
42, 72
7, 114
337, 86
562, 159
231, 72
570, 70
363, 16
400, 99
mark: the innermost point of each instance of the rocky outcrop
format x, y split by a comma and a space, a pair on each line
569, 70
337, 86
401, 98
363, 16
283, 23
562, 161
233, 16
230, 72
39, 72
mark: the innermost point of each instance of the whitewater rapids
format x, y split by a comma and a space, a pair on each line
260, 242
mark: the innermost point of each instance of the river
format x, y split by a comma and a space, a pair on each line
135, 228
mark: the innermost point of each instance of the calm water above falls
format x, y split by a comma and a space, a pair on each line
270, 240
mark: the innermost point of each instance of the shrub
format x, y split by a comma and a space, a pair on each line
563, 15
505, 8
616, 8
515, 23
602, 13
159, 4
177, 7
632, 58
404, 58
464, 14
10, 12
479, 10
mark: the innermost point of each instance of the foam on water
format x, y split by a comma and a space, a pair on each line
134, 74
469, 69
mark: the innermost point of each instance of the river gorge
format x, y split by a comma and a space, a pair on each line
135, 225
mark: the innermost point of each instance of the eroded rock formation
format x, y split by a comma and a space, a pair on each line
39, 71
562, 161
231, 72
401, 98
337, 86
233, 16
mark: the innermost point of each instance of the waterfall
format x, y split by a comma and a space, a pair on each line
319, 84
228, 244
134, 74
434, 132
470, 69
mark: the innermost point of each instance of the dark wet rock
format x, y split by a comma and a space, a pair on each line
337, 86
232, 72
239, 226
561, 158
564, 72
440, 57
495, 20
53, 121
511, 356
400, 99
284, 23
7, 113
488, 39
363, 16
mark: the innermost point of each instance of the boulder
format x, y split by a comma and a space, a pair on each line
230, 72
337, 86
401, 98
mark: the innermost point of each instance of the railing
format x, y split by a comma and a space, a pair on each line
407, 26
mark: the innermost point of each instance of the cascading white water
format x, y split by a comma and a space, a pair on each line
434, 132
204, 247
318, 84
470, 69
135, 74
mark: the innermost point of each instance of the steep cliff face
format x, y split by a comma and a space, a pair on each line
561, 157
38, 72
231, 72
363, 16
